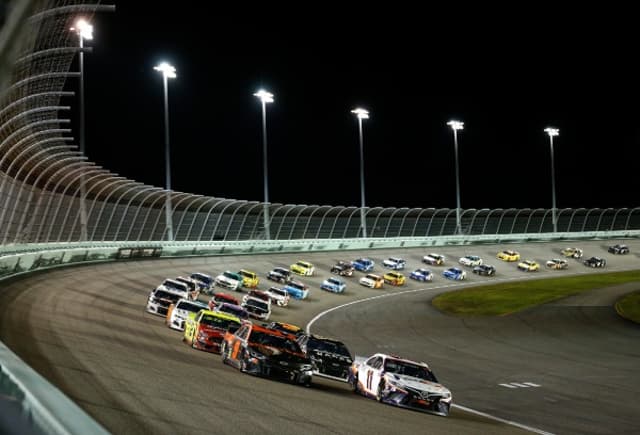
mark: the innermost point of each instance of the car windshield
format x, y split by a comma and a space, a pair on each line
258, 337
409, 369
302, 264
200, 277
221, 298
190, 284
334, 281
258, 304
278, 291
233, 309
297, 285
189, 306
217, 322
166, 295
281, 270
230, 275
175, 285
328, 346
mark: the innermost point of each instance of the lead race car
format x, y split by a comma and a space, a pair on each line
401, 382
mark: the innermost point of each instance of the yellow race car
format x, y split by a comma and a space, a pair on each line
302, 268
394, 278
528, 266
207, 329
249, 279
508, 255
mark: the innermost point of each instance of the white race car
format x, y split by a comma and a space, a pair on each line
278, 296
400, 382
434, 259
470, 260
181, 311
394, 263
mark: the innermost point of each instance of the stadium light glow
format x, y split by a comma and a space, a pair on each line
552, 131
361, 113
456, 125
265, 97
83, 29
168, 71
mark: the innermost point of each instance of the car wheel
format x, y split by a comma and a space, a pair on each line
380, 392
224, 353
353, 382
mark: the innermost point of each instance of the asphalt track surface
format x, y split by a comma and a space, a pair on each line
86, 331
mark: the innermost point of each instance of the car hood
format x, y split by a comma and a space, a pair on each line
210, 331
418, 384
276, 354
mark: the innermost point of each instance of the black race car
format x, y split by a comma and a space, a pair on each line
484, 269
342, 268
619, 249
280, 274
331, 358
595, 262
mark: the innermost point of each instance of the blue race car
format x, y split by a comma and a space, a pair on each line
363, 264
455, 273
333, 285
421, 275
297, 290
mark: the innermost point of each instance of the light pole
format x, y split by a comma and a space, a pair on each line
84, 31
455, 126
265, 97
361, 114
168, 72
553, 132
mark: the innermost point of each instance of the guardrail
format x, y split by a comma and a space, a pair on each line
49, 411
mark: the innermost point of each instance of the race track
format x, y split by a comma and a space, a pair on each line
572, 367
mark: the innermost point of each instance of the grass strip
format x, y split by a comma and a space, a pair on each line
511, 297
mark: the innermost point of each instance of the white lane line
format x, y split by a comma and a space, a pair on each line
531, 384
508, 385
515, 384
502, 420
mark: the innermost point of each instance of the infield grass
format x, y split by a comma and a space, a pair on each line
511, 297
629, 306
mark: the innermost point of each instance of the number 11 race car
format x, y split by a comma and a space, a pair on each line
400, 382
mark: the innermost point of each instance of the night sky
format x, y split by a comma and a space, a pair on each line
506, 75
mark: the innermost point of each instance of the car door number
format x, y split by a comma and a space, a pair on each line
369, 379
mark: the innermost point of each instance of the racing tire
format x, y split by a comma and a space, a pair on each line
353, 382
224, 352
379, 393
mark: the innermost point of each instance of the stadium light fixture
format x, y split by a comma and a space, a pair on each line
553, 132
455, 126
168, 72
361, 114
265, 97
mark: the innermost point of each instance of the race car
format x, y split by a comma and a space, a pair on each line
557, 263
279, 296
161, 298
394, 278
179, 312
192, 285
258, 294
303, 268
207, 329
401, 382
470, 260
297, 289
229, 280
363, 264
455, 273
595, 262
257, 308
285, 327
372, 281
434, 259
394, 263
333, 285
219, 298
508, 255
342, 268
619, 249
572, 252
175, 286
249, 279
421, 275
279, 274
528, 266
331, 358
204, 281
484, 269
264, 351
